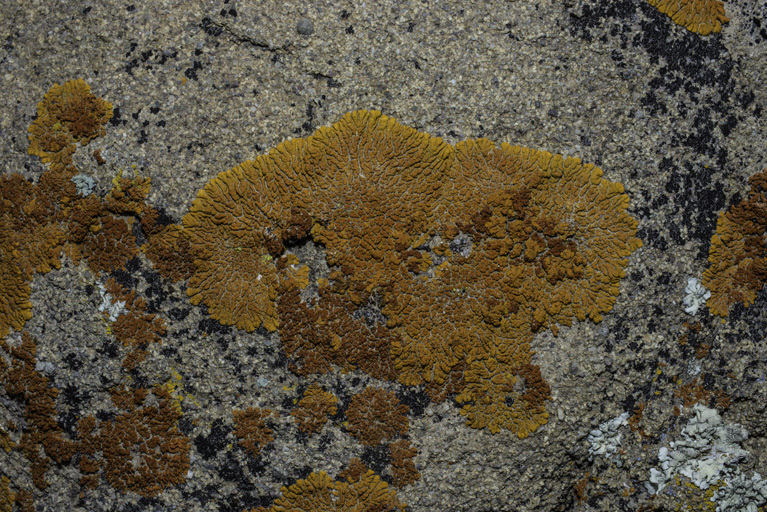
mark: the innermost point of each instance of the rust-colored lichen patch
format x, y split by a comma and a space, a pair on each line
403, 467
134, 328
170, 253
141, 449
319, 334
452, 385
111, 246
320, 492
128, 195
105, 241
314, 408
354, 471
375, 415
68, 114
28, 219
42, 440
700, 16
251, 429
31, 239
6, 443
25, 501
15, 307
738, 253
695, 392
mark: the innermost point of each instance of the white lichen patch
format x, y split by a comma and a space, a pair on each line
606, 439
695, 296
113, 310
84, 184
708, 454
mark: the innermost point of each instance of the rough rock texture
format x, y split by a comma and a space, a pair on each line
200, 87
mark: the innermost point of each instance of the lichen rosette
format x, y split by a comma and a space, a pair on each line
228, 227
376, 188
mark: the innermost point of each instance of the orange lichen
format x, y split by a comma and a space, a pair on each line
55, 194
581, 485
354, 471
89, 443
97, 156
452, 255
453, 384
127, 196
228, 227
111, 246
143, 450
31, 238
402, 464
375, 415
551, 236
42, 439
503, 389
320, 492
105, 241
169, 253
376, 187
314, 408
292, 275
418, 309
6, 443
250, 427
738, 253
312, 334
7, 497
698, 16
695, 392
28, 219
25, 501
134, 328
68, 114
15, 307
635, 420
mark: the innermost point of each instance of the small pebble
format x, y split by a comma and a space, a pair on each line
305, 27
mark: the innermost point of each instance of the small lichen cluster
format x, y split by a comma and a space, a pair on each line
141, 449
703, 17
68, 114
43, 441
320, 492
314, 409
133, 327
251, 429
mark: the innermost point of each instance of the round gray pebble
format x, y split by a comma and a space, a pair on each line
305, 27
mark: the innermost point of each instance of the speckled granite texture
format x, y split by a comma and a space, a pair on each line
199, 86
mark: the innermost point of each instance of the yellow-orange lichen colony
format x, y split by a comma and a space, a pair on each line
468, 250
703, 17
444, 261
